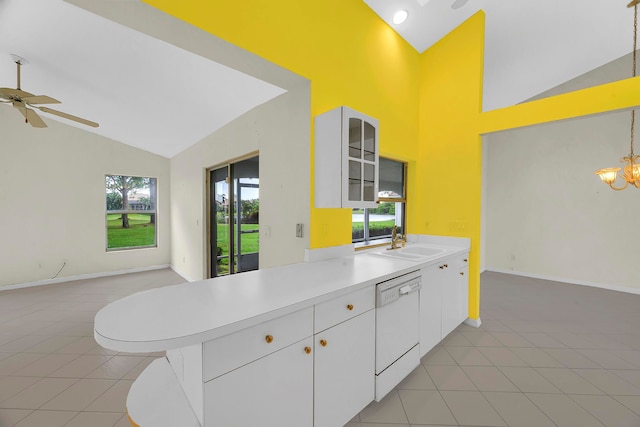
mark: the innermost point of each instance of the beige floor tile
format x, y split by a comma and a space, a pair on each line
5, 355
112, 400
419, 379
450, 378
529, 380
470, 408
438, 356
609, 411
568, 381
79, 395
45, 365
116, 367
608, 382
468, 356
123, 422
501, 356
425, 407
81, 345
517, 410
10, 386
9, 417
632, 376
570, 358
631, 402
631, 356
606, 359
456, 339
23, 343
389, 410
81, 366
536, 358
17, 361
50, 345
511, 339
38, 393
94, 419
489, 378
135, 372
572, 340
563, 411
542, 340
46, 418
481, 338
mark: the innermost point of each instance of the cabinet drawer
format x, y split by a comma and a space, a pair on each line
461, 261
338, 310
234, 350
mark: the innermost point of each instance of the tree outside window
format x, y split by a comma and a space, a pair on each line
130, 212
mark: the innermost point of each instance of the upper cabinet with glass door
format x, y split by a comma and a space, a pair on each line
346, 160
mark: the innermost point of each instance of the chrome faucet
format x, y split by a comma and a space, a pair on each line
395, 239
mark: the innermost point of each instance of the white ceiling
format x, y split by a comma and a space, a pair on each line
142, 91
530, 46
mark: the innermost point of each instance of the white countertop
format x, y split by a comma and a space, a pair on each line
181, 315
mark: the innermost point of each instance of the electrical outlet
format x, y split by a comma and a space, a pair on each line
299, 230
266, 230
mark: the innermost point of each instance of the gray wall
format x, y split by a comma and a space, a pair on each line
547, 214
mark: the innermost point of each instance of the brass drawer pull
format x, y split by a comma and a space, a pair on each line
349, 307
323, 343
462, 273
307, 350
465, 260
268, 339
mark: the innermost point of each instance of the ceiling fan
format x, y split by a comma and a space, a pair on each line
22, 100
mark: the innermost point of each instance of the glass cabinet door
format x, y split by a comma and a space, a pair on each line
362, 161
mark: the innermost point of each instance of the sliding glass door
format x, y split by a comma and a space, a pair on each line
234, 217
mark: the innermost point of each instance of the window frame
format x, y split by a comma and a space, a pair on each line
367, 242
153, 211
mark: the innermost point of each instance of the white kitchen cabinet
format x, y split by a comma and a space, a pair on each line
344, 368
463, 286
346, 160
430, 308
274, 391
455, 295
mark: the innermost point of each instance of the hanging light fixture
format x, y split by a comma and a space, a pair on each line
631, 173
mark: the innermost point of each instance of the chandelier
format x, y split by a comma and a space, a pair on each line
631, 173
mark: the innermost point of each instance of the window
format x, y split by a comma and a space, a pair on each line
371, 225
130, 212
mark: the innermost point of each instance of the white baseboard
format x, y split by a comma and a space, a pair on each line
82, 277
473, 322
569, 281
180, 273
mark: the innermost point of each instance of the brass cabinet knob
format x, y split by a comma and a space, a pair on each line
462, 273
465, 260
307, 350
268, 339
446, 266
323, 343
441, 267
349, 307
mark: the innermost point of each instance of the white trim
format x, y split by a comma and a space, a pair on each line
180, 273
473, 322
569, 281
82, 277
321, 254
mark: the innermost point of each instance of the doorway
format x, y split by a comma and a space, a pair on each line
234, 209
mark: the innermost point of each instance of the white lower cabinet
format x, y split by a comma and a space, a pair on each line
344, 367
430, 309
444, 300
274, 391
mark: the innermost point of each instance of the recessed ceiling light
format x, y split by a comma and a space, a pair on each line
400, 16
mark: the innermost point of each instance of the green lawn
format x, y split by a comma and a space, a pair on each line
140, 233
375, 228
249, 243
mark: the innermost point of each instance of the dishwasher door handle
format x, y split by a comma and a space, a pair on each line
407, 289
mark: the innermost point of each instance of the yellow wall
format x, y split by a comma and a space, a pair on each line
350, 55
449, 175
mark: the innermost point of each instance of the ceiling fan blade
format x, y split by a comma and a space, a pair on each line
457, 4
40, 99
68, 116
8, 93
30, 116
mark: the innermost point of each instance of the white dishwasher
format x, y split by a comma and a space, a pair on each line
397, 330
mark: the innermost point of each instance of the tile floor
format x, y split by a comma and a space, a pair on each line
547, 354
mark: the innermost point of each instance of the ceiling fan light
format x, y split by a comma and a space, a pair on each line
400, 16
